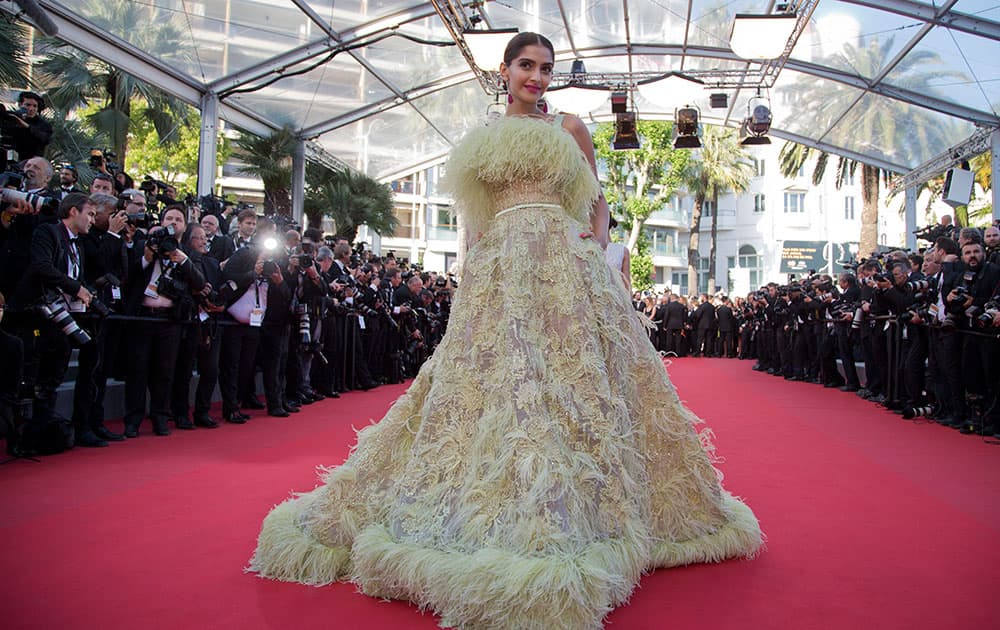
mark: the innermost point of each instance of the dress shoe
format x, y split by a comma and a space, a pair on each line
316, 396
88, 439
184, 424
131, 431
292, 408
205, 422
849, 388
369, 385
160, 427
307, 399
107, 434
235, 417
278, 413
253, 403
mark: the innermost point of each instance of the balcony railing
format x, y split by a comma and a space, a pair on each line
442, 233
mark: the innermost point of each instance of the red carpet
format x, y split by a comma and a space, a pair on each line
872, 521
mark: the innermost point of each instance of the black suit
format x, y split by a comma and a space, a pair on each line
674, 316
221, 247
201, 341
705, 329
240, 341
727, 331
154, 342
46, 356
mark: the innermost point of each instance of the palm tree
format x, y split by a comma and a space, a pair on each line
878, 123
270, 159
74, 78
639, 182
720, 166
351, 198
13, 54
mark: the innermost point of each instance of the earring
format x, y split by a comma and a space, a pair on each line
510, 99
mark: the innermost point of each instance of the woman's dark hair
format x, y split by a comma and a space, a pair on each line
522, 40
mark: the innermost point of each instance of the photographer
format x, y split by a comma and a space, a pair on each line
201, 340
991, 238
252, 269
966, 302
162, 280
870, 278
48, 298
220, 247
308, 293
102, 184
842, 312
67, 182
106, 262
31, 133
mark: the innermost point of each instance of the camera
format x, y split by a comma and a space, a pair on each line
931, 233
36, 201
56, 311
163, 241
106, 158
305, 334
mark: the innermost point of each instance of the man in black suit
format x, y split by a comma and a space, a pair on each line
54, 277
31, 133
68, 179
162, 281
705, 328
200, 341
675, 314
727, 329
220, 247
968, 296
106, 262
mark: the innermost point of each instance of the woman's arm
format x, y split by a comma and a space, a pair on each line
627, 270
600, 214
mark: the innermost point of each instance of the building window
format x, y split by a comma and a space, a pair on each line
750, 260
795, 202
802, 171
707, 208
758, 167
404, 227
758, 202
679, 280
662, 241
849, 178
849, 208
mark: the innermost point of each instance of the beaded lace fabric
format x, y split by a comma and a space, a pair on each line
540, 461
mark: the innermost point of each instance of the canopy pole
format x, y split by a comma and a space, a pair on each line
995, 168
299, 181
910, 219
208, 144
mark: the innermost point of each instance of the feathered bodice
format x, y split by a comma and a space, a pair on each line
518, 160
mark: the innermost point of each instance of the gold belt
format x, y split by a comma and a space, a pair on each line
521, 206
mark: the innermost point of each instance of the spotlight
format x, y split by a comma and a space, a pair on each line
626, 134
619, 102
687, 128
719, 100
758, 122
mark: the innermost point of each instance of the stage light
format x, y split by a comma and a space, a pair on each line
672, 89
758, 122
687, 128
619, 102
626, 133
719, 100
761, 36
487, 45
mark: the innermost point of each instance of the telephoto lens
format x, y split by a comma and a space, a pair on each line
57, 313
910, 413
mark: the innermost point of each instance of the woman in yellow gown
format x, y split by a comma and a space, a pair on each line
540, 461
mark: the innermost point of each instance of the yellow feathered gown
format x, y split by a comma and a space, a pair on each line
540, 461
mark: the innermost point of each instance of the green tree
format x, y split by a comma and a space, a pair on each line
889, 128
270, 159
350, 198
640, 181
73, 78
641, 265
720, 166
174, 163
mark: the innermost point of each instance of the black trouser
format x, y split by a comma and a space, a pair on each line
209, 346
46, 359
950, 346
727, 343
874, 356
783, 351
181, 391
827, 353
236, 365
979, 365
274, 360
671, 340
914, 371
88, 390
704, 343
845, 348
152, 356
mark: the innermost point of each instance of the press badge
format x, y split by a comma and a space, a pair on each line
116, 293
257, 317
361, 322
151, 291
